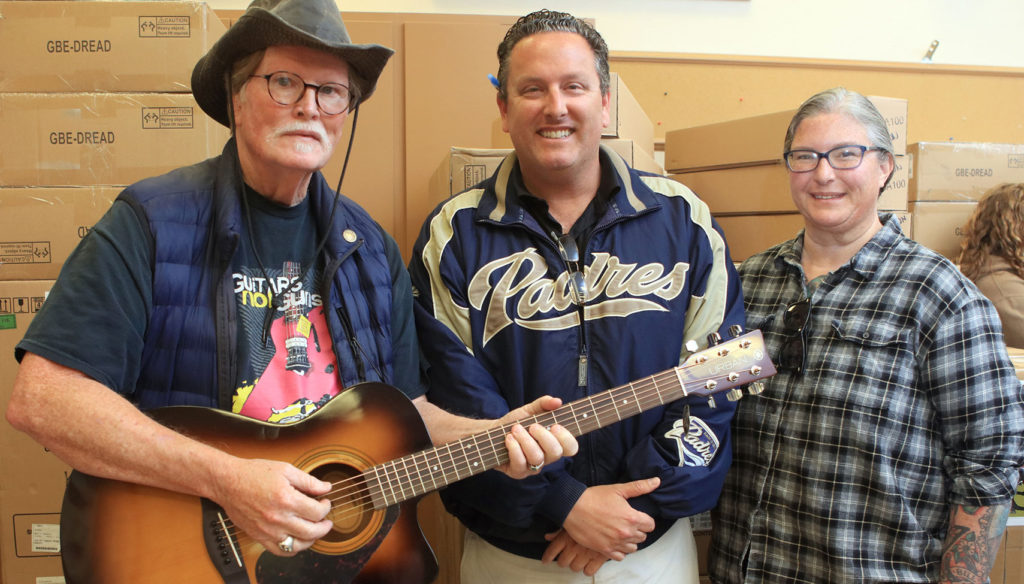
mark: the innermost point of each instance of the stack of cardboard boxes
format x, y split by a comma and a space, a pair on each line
97, 98
736, 167
947, 179
630, 133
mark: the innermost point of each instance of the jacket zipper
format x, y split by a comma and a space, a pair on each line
343, 317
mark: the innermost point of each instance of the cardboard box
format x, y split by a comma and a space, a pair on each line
71, 139
1009, 564
103, 46
895, 111
627, 119
39, 227
764, 188
896, 195
962, 171
758, 139
906, 222
1017, 358
462, 168
634, 155
30, 499
1013, 547
939, 225
747, 235
742, 190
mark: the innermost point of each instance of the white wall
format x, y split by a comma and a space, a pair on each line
970, 32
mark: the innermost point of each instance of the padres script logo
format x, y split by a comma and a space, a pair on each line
615, 289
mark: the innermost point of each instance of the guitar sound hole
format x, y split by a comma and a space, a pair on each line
351, 508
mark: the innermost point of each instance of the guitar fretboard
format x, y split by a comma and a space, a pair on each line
739, 361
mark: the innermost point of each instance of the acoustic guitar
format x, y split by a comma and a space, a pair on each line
371, 444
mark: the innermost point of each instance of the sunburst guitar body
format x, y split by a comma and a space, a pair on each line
370, 443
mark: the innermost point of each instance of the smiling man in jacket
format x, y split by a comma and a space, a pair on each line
569, 273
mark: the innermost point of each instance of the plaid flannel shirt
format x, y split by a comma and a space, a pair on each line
908, 405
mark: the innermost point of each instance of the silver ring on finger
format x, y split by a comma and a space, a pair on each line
536, 467
286, 544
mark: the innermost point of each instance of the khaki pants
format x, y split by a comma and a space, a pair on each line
670, 560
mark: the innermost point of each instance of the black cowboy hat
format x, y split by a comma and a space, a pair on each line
309, 23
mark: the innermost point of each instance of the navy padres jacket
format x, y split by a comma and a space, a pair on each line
498, 328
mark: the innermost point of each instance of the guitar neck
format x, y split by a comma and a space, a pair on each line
434, 468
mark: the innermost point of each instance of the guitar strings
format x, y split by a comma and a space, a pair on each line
358, 496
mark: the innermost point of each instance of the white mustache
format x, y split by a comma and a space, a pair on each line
314, 128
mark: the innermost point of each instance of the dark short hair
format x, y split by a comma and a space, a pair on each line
548, 21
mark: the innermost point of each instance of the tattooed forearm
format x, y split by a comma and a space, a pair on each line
972, 543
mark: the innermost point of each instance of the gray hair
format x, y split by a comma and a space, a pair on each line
840, 100
548, 21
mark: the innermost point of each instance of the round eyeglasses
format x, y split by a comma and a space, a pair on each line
287, 88
840, 158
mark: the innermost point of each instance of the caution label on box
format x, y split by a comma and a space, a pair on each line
167, 118
164, 27
25, 252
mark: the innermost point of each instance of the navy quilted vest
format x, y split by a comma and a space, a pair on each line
195, 220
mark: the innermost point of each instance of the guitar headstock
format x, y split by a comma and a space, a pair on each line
726, 366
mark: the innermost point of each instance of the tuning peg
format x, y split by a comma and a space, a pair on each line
736, 330
755, 388
691, 346
714, 338
734, 394
711, 402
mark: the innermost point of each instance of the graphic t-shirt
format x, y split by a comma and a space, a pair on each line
286, 358
96, 317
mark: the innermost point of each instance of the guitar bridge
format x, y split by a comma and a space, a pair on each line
222, 544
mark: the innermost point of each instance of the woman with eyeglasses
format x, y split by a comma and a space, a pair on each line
886, 449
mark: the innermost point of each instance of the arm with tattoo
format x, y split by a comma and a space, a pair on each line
972, 543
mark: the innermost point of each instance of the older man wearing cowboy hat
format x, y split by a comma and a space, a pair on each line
243, 283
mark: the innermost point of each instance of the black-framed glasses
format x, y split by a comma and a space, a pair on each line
571, 256
287, 88
840, 158
794, 354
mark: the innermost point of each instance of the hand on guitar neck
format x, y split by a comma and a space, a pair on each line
529, 448
536, 446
